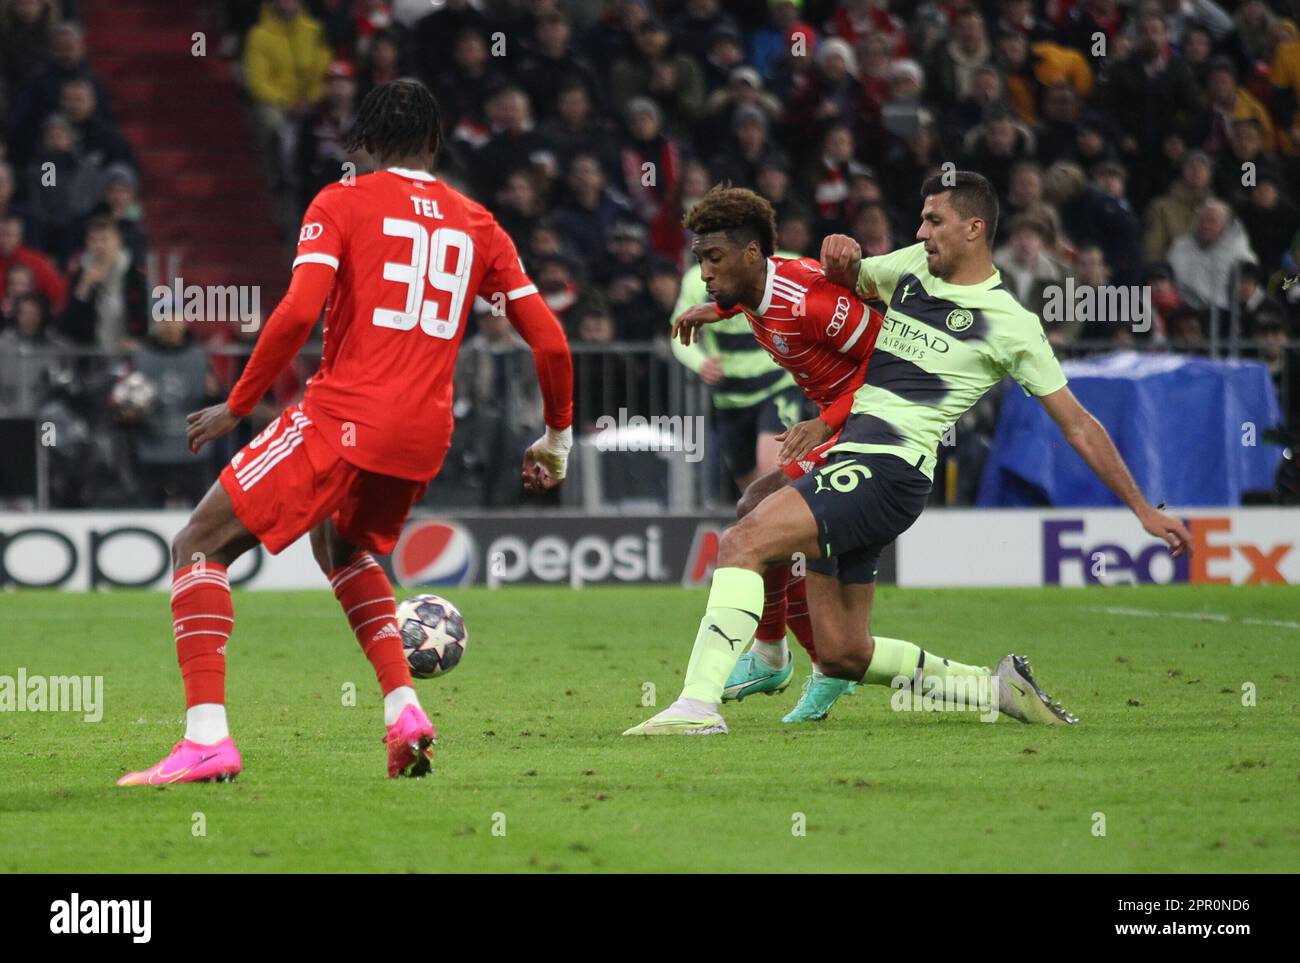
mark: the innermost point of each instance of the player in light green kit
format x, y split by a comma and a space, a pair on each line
952, 331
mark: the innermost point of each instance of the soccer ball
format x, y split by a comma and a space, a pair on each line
133, 398
433, 635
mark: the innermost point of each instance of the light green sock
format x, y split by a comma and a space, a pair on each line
735, 601
894, 658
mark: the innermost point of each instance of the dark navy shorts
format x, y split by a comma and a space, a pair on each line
862, 502
739, 428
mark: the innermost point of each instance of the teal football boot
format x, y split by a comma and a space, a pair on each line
752, 675
819, 694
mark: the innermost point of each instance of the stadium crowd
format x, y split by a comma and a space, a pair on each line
1152, 144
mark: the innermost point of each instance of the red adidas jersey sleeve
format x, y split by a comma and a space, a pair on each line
506, 282
838, 411
321, 238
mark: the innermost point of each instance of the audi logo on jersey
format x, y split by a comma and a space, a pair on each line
310, 232
841, 315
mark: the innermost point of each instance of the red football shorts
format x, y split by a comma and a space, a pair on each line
813, 460
288, 479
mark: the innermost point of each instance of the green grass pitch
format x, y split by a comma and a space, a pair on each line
1187, 776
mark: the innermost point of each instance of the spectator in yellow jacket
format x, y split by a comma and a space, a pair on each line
1054, 64
285, 58
1031, 68
1227, 102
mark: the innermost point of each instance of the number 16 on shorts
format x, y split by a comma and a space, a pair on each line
842, 477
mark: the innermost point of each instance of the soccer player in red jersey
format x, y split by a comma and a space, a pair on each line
400, 257
823, 334
962, 333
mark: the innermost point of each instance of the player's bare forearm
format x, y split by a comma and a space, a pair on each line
1090, 439
1094, 445
209, 424
689, 322
801, 439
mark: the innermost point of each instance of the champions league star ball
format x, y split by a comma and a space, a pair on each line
132, 398
433, 635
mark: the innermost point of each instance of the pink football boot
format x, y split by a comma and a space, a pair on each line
190, 762
410, 744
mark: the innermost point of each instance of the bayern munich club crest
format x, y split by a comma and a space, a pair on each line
780, 344
434, 553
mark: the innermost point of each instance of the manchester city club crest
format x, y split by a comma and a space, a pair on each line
960, 319
778, 342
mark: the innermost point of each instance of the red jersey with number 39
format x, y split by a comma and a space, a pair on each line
410, 254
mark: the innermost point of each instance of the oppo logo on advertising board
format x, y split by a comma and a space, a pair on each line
124, 556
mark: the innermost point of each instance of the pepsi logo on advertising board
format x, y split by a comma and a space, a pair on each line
435, 553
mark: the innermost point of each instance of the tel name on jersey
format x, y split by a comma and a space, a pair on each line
410, 254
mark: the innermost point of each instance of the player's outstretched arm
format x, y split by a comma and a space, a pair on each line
1087, 436
209, 424
801, 438
283, 337
546, 460
686, 327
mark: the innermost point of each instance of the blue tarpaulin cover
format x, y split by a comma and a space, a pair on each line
1183, 425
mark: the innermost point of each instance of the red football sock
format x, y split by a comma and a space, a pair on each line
363, 590
771, 628
203, 620
796, 614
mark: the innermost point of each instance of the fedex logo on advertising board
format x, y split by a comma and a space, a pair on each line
1075, 553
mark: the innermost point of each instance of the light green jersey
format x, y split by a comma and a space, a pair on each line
749, 373
940, 350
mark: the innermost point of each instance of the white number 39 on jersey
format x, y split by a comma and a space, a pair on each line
429, 250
